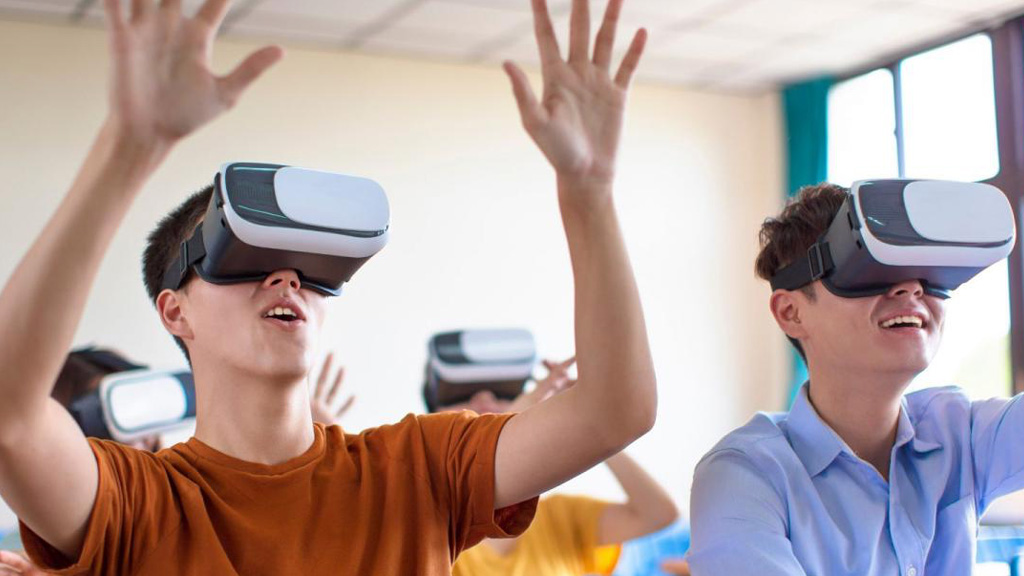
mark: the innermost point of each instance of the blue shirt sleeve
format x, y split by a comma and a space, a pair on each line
738, 520
997, 432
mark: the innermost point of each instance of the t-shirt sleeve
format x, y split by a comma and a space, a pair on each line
132, 510
462, 446
579, 518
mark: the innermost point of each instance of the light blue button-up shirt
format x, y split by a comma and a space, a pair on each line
785, 495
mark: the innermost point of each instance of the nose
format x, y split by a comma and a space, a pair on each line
281, 277
483, 402
905, 288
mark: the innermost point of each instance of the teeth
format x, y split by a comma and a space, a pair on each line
280, 311
912, 320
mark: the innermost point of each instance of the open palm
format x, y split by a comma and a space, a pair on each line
578, 121
162, 84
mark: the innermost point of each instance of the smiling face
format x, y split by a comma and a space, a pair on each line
894, 335
268, 330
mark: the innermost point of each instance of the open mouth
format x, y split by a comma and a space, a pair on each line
284, 316
904, 322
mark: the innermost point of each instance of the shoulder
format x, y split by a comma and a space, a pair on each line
762, 438
929, 402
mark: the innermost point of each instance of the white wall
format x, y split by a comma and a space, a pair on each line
476, 233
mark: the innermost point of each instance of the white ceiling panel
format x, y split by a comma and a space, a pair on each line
465, 20
339, 10
729, 44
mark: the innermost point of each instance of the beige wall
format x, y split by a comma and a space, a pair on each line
476, 234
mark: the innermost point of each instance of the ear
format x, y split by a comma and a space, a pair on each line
786, 307
172, 314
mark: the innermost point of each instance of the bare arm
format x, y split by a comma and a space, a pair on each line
648, 507
577, 125
161, 91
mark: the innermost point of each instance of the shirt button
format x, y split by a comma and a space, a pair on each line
911, 571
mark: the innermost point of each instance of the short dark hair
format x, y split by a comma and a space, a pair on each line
787, 237
83, 369
164, 243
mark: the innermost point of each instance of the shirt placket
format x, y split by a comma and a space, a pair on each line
905, 539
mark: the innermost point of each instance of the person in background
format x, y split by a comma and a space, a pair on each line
571, 535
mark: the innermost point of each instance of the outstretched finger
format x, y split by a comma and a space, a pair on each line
605, 42
547, 42
112, 11
579, 31
234, 84
141, 9
321, 379
336, 387
213, 12
344, 407
171, 6
632, 59
525, 98
568, 362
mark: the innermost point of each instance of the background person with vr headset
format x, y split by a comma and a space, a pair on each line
259, 486
486, 371
571, 535
857, 478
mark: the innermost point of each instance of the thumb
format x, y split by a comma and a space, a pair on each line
234, 84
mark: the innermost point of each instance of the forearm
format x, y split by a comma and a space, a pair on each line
43, 299
616, 386
645, 498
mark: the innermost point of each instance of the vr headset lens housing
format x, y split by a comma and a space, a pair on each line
267, 217
889, 231
130, 405
463, 363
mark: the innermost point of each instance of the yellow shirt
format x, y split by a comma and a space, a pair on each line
561, 542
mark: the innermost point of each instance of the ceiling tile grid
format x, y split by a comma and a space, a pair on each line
733, 45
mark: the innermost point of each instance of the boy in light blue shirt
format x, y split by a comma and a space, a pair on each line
856, 478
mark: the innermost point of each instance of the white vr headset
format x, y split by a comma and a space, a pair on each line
267, 217
465, 362
889, 231
130, 405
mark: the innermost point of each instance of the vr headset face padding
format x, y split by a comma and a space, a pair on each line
890, 231
466, 362
267, 217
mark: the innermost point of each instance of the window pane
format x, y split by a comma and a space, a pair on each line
862, 129
949, 117
975, 350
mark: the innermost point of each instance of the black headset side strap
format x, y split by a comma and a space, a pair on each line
192, 250
803, 271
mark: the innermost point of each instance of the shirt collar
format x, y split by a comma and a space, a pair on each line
817, 445
814, 442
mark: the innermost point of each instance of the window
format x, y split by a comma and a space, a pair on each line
949, 112
862, 129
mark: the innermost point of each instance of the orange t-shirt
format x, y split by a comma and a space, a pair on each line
399, 499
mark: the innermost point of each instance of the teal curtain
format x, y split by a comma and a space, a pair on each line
806, 116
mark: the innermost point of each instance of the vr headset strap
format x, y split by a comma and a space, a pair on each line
803, 271
192, 251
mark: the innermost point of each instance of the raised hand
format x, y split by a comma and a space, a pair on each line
578, 122
162, 88
556, 381
324, 397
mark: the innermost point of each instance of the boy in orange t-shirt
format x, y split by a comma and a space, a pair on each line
260, 489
